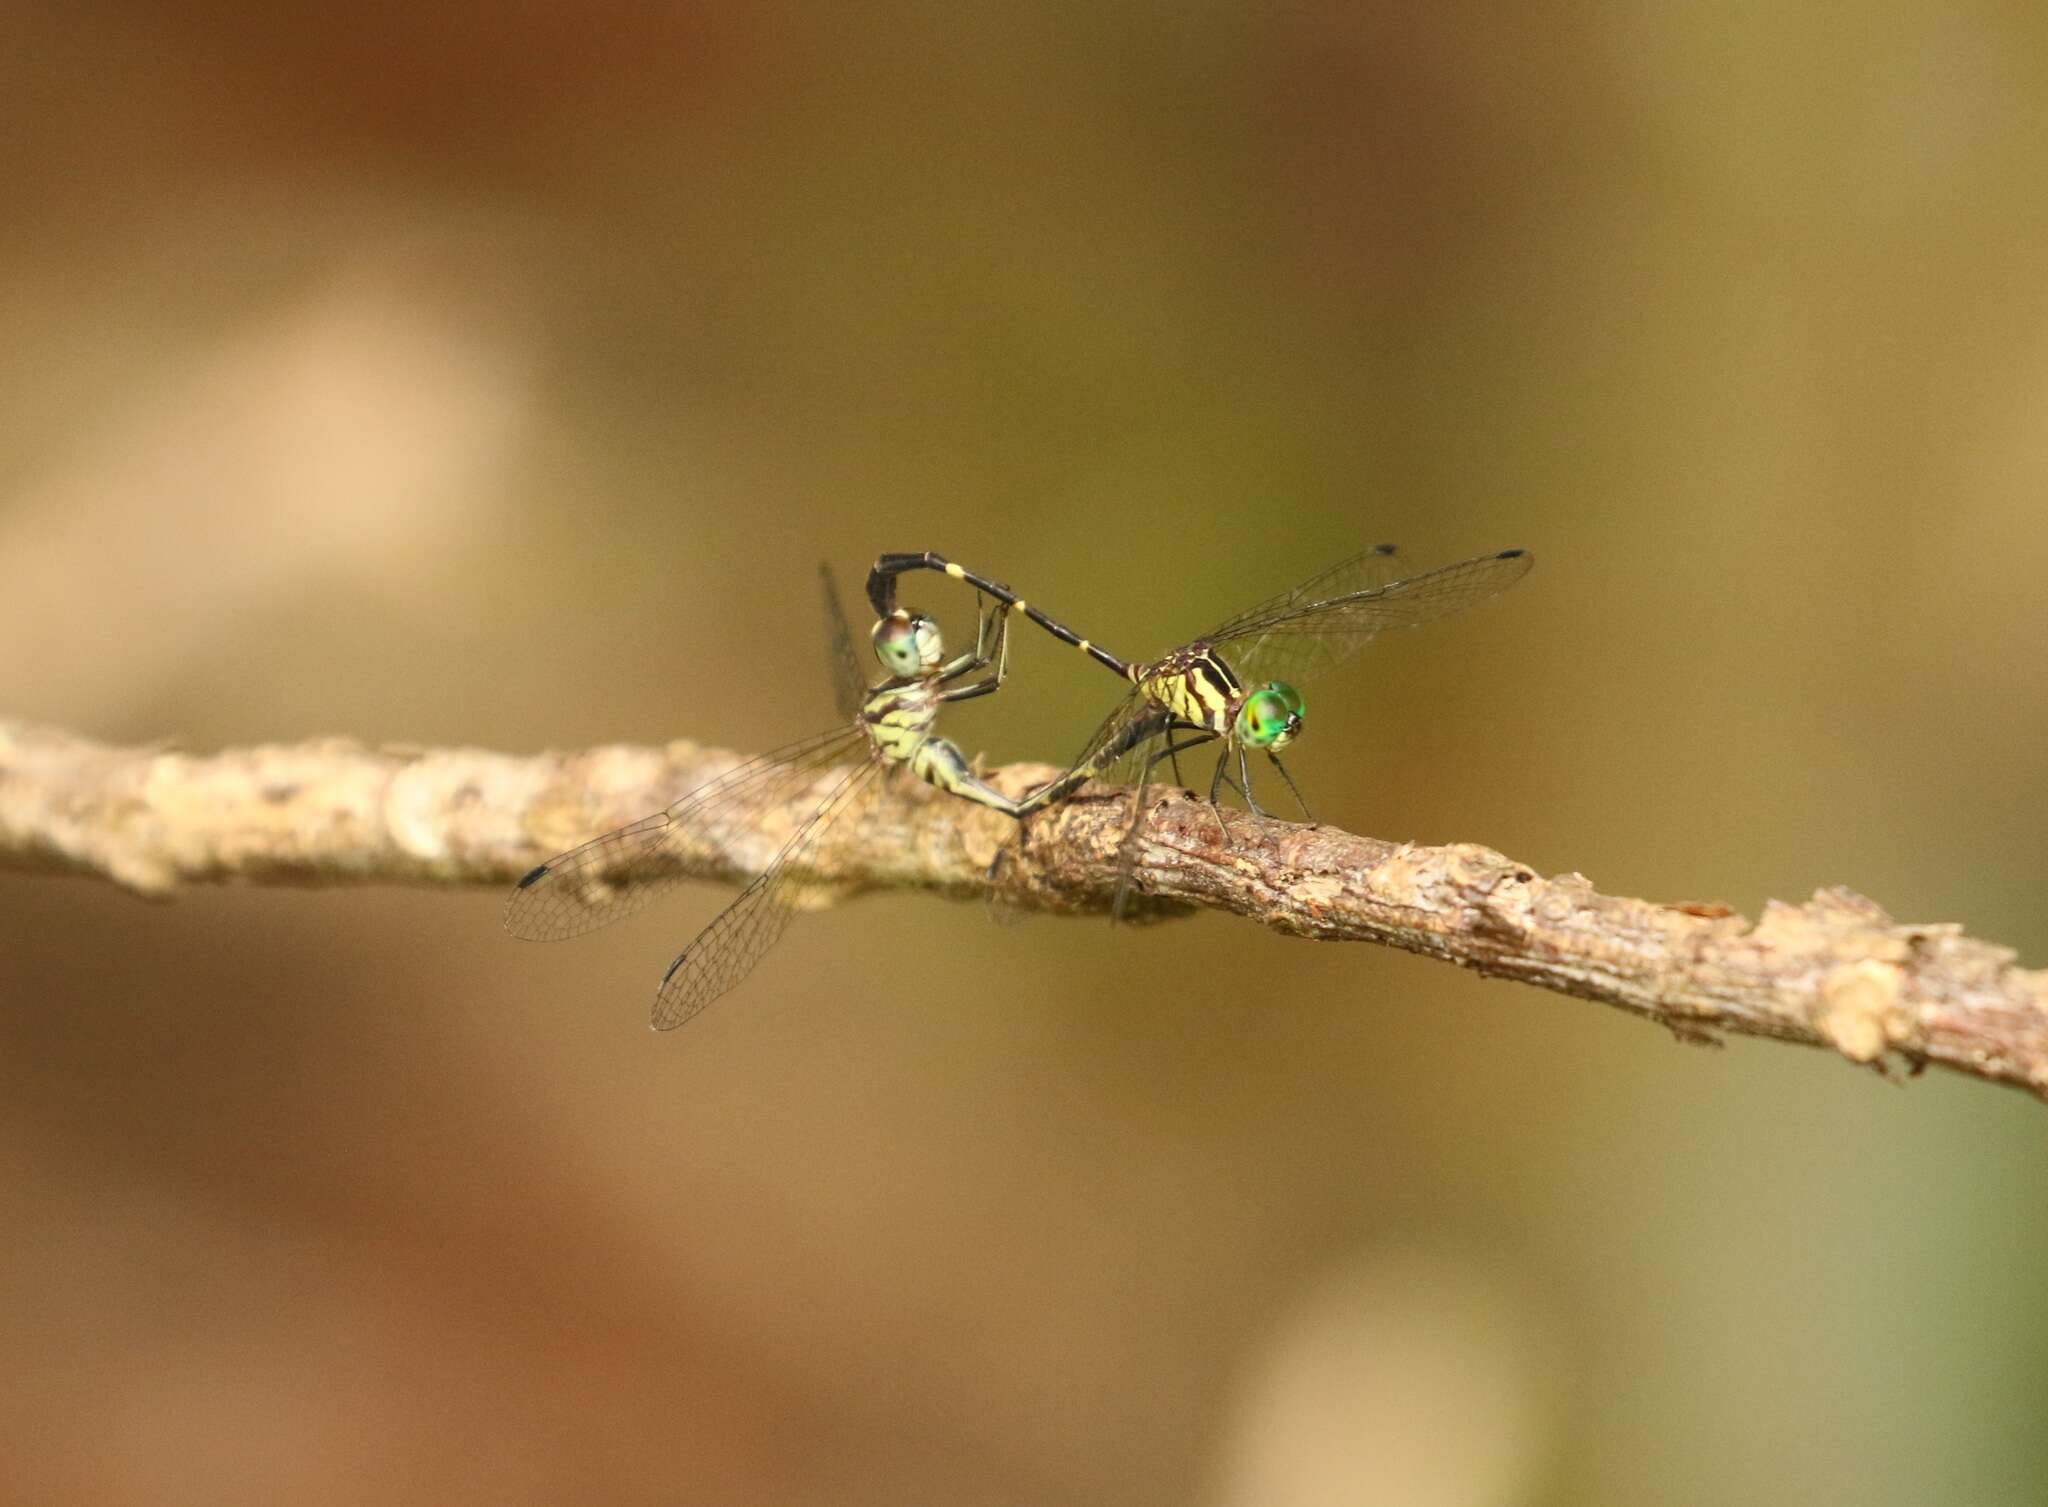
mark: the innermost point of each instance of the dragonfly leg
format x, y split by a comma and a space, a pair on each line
1216, 783
1216, 780
969, 692
1244, 772
1000, 616
1171, 753
1306, 814
980, 661
984, 652
1127, 850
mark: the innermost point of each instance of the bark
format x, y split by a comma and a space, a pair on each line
1836, 972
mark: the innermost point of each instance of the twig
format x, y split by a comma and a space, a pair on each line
1836, 972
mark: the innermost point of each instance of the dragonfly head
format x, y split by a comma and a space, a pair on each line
908, 643
1270, 717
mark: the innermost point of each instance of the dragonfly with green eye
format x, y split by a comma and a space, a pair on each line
1234, 684
887, 727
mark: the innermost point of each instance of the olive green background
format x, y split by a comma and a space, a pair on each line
498, 376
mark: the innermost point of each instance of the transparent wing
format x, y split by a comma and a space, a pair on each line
1363, 571
849, 684
1108, 747
726, 951
1140, 767
1290, 642
615, 875
1120, 752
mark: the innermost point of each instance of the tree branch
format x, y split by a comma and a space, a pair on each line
1836, 972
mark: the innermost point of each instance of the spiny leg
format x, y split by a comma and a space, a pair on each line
999, 652
1127, 845
994, 622
1244, 772
983, 653
1127, 850
1216, 783
969, 692
1171, 753
940, 761
1306, 814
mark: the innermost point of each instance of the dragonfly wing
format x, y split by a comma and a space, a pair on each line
1141, 761
1119, 752
726, 951
1109, 747
849, 685
1363, 571
1145, 767
1291, 642
613, 876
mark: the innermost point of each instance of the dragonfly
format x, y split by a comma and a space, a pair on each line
1234, 684
886, 727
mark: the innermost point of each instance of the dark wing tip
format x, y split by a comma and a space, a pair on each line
1383, 549
1511, 554
667, 1013
532, 876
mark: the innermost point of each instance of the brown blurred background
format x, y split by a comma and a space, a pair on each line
488, 375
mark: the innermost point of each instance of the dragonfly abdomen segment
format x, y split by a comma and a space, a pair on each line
899, 722
938, 761
882, 595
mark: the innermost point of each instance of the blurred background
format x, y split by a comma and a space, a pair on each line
497, 376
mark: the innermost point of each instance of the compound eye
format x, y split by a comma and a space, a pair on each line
1265, 714
1271, 716
930, 644
896, 643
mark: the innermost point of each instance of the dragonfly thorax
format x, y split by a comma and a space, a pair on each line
908, 644
1195, 685
899, 719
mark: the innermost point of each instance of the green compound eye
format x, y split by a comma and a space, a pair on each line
1271, 716
908, 643
896, 644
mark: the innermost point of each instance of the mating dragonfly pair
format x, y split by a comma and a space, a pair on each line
1233, 686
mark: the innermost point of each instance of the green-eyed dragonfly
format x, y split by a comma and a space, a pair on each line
888, 726
1233, 684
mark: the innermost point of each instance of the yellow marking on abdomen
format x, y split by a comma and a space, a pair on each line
954, 571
